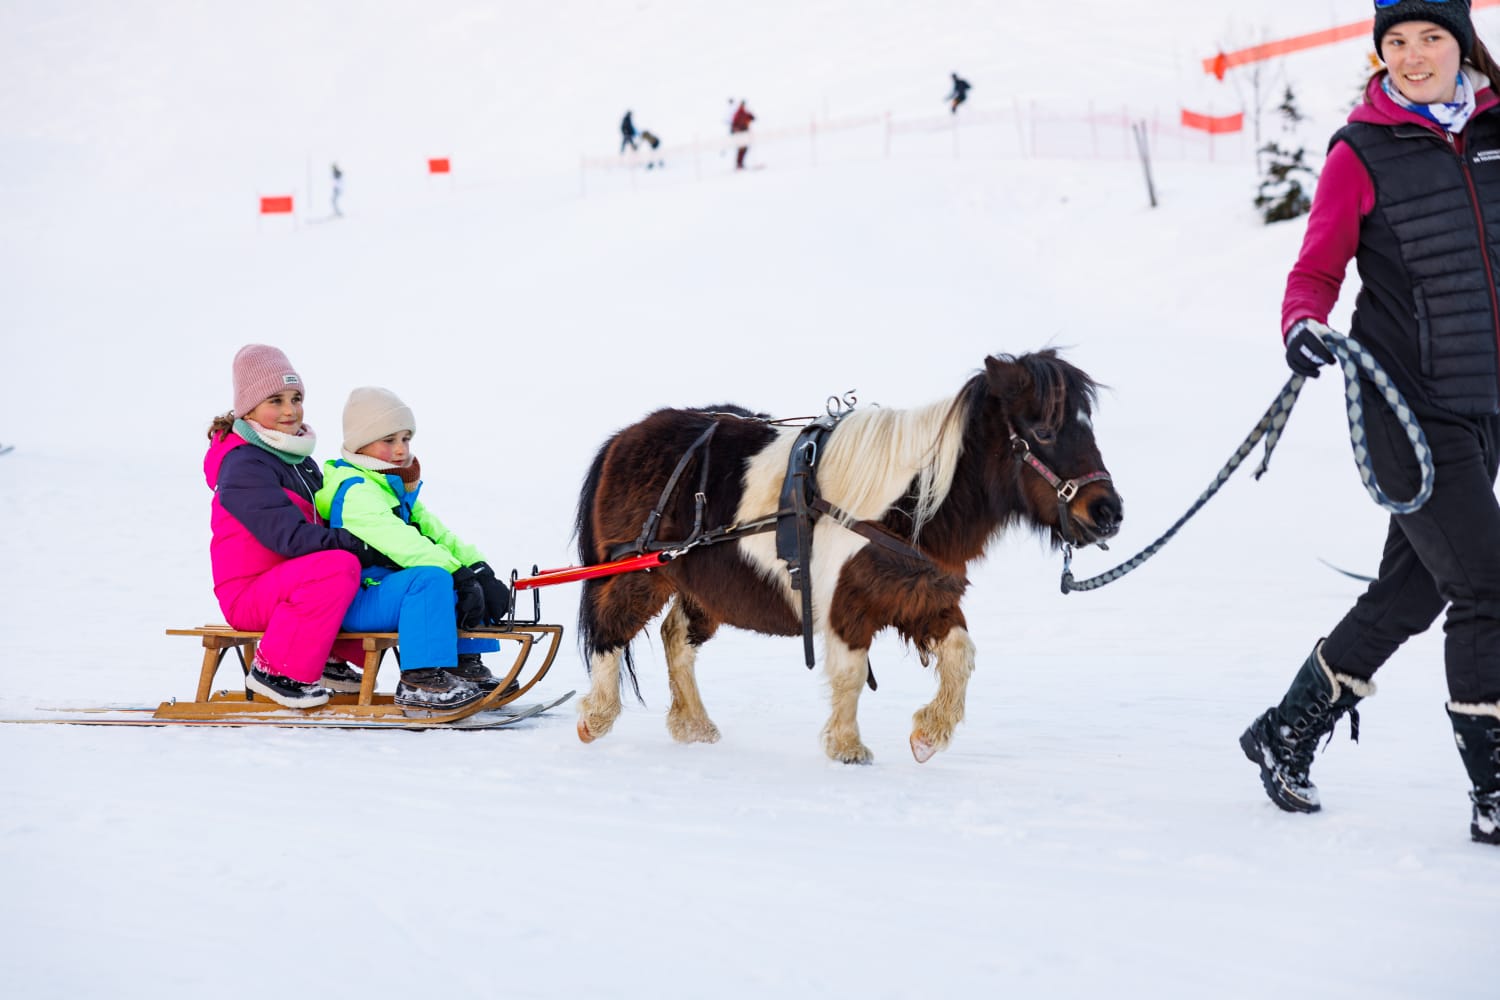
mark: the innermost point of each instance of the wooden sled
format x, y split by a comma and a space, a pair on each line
368, 709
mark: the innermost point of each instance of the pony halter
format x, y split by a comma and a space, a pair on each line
1066, 489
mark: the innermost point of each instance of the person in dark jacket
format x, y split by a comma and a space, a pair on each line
277, 568
627, 133
958, 94
1411, 192
739, 123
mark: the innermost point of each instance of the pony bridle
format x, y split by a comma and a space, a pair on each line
1066, 489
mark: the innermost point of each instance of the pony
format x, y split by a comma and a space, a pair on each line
945, 478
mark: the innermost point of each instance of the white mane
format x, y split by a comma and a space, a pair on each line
875, 454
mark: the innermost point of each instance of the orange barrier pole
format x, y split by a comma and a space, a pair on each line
1217, 64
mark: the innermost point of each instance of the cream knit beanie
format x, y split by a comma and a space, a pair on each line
373, 413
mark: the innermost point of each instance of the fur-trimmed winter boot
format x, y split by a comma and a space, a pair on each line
1285, 737
1476, 730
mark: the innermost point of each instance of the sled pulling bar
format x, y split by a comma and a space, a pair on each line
570, 574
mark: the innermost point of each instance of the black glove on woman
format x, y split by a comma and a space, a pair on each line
1305, 350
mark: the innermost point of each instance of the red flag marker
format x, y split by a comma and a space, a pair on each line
1219, 65
439, 166
276, 205
1213, 124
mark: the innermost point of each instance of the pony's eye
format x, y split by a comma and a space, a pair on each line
1045, 435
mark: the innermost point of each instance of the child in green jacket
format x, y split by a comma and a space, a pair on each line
372, 492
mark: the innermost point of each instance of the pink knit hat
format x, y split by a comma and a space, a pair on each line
260, 372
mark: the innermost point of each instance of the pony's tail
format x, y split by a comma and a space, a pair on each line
588, 554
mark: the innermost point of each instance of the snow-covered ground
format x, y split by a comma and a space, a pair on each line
1093, 831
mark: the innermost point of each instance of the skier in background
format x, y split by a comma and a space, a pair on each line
338, 190
627, 133
958, 94
739, 124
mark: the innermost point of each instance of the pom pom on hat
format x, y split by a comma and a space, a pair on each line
373, 413
260, 372
1452, 15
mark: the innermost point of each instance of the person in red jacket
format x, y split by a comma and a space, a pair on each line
1411, 192
740, 124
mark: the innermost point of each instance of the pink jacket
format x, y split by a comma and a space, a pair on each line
262, 513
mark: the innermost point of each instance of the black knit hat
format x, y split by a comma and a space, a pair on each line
1450, 14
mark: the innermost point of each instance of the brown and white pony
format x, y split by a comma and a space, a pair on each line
947, 477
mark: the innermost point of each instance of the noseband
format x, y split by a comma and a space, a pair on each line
1066, 489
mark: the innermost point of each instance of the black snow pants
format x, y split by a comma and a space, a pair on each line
1447, 554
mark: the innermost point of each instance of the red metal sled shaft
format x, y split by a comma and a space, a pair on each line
569, 574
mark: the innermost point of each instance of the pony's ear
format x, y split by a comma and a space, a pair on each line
1008, 381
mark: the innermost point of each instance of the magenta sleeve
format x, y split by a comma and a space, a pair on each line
1345, 195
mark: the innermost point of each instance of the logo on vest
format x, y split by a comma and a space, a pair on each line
1487, 155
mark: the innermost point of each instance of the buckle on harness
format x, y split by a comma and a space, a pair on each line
1067, 491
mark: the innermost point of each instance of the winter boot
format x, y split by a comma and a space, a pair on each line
283, 690
434, 690
1476, 730
471, 668
1285, 737
340, 678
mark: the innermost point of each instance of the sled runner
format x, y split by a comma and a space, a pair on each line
126, 715
367, 709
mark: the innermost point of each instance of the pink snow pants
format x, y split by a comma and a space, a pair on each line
299, 604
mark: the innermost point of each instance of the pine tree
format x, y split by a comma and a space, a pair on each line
1287, 181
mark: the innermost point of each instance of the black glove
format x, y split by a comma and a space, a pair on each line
468, 608
496, 594
1305, 350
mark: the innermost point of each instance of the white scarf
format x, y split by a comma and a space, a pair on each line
368, 461
302, 443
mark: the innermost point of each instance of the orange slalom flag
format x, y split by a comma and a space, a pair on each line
276, 205
439, 165
1219, 65
1213, 124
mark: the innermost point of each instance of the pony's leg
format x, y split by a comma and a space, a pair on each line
933, 723
600, 708
612, 612
846, 670
683, 630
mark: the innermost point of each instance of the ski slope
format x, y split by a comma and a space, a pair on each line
1093, 830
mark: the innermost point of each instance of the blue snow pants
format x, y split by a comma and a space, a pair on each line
418, 604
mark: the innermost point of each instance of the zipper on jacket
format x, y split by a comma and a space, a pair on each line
1484, 247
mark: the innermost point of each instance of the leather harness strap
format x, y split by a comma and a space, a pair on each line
799, 506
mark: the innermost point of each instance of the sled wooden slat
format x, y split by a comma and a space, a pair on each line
367, 705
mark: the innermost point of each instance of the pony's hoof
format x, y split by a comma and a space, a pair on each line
583, 732
850, 753
703, 731
921, 749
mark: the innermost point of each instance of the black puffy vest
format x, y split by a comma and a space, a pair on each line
1429, 308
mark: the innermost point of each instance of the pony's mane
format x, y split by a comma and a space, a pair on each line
876, 453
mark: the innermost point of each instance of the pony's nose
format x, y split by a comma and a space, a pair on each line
1107, 512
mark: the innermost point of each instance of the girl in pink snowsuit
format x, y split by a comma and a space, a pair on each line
277, 568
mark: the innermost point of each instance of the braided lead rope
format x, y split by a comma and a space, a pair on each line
1352, 358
